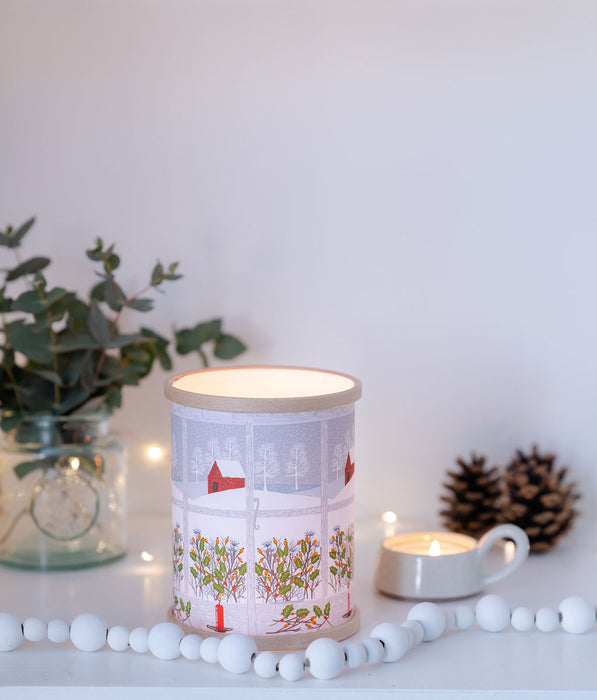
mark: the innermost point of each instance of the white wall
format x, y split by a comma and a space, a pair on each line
403, 190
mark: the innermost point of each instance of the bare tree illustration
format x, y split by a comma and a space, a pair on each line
297, 464
230, 449
198, 464
212, 451
338, 461
266, 464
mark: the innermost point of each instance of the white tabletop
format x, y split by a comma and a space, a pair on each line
133, 592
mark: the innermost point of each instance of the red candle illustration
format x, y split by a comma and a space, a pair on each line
219, 618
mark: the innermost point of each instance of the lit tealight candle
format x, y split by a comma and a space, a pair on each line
443, 565
432, 544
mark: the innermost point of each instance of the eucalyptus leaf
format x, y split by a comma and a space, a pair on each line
157, 275
191, 339
31, 342
28, 267
119, 341
113, 295
140, 304
70, 342
97, 252
97, 325
31, 302
15, 238
88, 368
47, 374
228, 347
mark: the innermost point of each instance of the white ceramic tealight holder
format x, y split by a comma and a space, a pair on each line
445, 565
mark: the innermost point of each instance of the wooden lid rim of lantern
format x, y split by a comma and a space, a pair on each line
348, 390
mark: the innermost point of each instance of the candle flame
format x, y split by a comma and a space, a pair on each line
434, 549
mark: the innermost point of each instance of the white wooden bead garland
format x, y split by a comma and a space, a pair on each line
324, 658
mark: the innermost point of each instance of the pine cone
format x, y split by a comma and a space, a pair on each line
538, 499
473, 502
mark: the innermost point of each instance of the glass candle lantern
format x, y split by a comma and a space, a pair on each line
62, 493
263, 463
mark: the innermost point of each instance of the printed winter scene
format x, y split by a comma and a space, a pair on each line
216, 565
287, 457
288, 563
215, 459
341, 561
177, 456
177, 550
341, 456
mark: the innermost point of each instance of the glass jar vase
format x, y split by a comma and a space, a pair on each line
62, 493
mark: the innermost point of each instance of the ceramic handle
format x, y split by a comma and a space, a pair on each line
511, 532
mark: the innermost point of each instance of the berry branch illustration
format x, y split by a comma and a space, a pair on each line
177, 555
217, 568
342, 555
286, 571
181, 610
296, 620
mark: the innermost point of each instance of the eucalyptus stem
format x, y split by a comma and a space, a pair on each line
11, 376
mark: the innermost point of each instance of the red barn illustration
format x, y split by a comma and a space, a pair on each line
348, 470
225, 474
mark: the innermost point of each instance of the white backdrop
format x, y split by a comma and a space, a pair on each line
403, 190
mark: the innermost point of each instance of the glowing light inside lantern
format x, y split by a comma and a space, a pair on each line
75, 463
389, 516
146, 556
155, 453
434, 549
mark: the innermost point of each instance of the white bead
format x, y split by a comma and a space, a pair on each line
236, 652
209, 649
58, 631
547, 619
492, 613
34, 629
450, 620
266, 664
465, 617
578, 615
395, 639
11, 632
522, 619
291, 667
416, 629
326, 658
356, 655
410, 634
138, 640
432, 617
374, 649
118, 638
164, 641
190, 647
88, 632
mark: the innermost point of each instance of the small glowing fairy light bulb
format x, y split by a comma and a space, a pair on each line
434, 549
389, 516
146, 556
155, 453
74, 463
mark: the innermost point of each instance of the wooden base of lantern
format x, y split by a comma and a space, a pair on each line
288, 641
